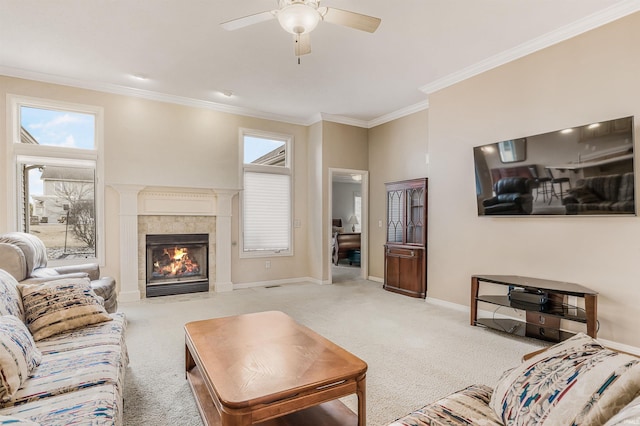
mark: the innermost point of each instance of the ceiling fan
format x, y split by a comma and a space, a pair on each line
300, 17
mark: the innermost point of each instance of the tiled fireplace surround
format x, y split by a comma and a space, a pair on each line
147, 210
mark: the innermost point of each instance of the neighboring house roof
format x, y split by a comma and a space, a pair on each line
67, 174
26, 137
272, 158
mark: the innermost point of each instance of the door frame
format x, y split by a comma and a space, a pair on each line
364, 226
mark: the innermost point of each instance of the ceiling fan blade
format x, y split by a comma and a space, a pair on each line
302, 44
351, 19
235, 24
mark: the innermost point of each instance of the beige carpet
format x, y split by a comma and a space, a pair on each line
417, 351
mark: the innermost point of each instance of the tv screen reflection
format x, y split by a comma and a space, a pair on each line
584, 170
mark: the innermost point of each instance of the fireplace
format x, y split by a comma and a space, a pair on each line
176, 264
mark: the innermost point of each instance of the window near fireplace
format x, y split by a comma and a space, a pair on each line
267, 194
55, 150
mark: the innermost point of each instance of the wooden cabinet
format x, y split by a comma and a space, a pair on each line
405, 256
606, 128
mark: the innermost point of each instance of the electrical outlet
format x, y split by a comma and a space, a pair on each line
267, 264
379, 224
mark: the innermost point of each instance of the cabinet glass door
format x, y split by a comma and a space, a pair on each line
415, 214
395, 201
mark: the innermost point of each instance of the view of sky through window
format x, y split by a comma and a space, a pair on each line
255, 147
59, 128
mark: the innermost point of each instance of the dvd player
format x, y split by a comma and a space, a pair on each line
526, 296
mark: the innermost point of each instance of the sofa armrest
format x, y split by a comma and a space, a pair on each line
466, 407
12, 260
514, 197
91, 269
490, 202
46, 279
105, 287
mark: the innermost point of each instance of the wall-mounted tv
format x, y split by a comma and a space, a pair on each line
584, 170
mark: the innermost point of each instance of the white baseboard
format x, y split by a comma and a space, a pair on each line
278, 282
447, 304
220, 287
620, 346
375, 279
128, 296
463, 308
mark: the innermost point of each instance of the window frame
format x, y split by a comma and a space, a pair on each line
17, 152
287, 169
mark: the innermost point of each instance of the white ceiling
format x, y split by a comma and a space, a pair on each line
350, 76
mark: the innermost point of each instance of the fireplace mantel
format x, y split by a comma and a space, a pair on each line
171, 202
138, 200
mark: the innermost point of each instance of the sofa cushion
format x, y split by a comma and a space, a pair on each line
627, 192
469, 406
574, 382
61, 305
98, 405
605, 187
10, 298
18, 355
16, 421
72, 371
629, 415
104, 333
584, 195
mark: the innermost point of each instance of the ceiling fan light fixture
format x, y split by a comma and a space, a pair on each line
298, 18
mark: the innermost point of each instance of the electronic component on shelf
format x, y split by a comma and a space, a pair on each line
521, 295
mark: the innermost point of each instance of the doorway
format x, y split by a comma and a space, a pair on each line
348, 225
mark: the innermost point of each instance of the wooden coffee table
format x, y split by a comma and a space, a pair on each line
265, 368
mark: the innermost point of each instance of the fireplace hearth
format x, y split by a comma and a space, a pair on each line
177, 264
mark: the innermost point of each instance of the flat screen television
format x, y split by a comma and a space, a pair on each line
583, 170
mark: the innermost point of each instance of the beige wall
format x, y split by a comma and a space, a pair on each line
318, 254
589, 78
397, 151
343, 147
162, 144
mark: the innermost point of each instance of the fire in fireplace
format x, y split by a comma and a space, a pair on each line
177, 263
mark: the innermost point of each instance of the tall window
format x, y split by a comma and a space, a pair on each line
55, 156
266, 196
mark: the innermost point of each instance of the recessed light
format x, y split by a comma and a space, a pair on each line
227, 93
594, 125
140, 77
566, 131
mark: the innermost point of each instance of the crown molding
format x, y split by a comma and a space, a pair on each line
376, 121
146, 94
583, 25
197, 103
624, 8
411, 109
344, 120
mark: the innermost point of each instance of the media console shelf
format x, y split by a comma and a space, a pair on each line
542, 321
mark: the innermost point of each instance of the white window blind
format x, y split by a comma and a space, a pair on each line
266, 212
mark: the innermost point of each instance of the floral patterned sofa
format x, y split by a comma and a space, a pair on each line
62, 356
576, 382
